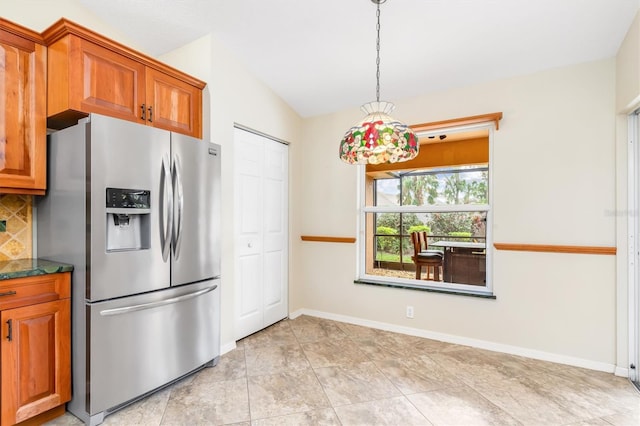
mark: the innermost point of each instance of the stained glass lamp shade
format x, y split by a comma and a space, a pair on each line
378, 138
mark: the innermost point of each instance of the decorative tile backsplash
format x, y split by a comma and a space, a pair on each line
16, 239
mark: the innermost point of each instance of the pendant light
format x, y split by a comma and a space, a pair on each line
378, 138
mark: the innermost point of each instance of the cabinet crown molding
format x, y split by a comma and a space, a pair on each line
65, 27
19, 30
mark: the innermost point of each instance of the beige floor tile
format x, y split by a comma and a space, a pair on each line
429, 346
326, 353
207, 402
359, 332
285, 393
476, 365
524, 397
593, 422
275, 335
378, 350
543, 367
312, 331
147, 412
67, 419
275, 359
417, 374
460, 406
586, 396
350, 383
499, 388
391, 412
323, 417
598, 379
231, 366
626, 418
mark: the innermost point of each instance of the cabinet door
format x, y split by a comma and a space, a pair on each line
35, 354
174, 105
105, 82
23, 129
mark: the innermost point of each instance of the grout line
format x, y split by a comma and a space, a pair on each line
246, 379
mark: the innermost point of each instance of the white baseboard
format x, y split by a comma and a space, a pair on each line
227, 347
621, 371
476, 343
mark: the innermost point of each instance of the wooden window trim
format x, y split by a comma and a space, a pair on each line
494, 117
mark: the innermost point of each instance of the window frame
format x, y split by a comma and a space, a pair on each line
363, 210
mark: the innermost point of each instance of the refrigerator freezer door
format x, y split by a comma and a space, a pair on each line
127, 156
196, 216
142, 342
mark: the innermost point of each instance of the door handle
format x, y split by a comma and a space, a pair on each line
143, 112
151, 114
166, 204
179, 202
151, 305
10, 331
8, 293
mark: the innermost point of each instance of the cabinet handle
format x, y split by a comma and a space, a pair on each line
150, 114
143, 112
10, 332
8, 293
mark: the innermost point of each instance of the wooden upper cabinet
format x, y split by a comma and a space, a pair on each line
85, 77
173, 104
23, 130
91, 73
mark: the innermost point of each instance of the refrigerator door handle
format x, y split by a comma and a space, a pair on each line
166, 205
151, 305
179, 203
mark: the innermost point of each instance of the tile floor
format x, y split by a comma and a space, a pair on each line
311, 371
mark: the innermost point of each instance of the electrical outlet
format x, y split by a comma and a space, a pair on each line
409, 311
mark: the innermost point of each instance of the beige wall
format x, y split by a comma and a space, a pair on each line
627, 100
554, 183
233, 95
236, 96
628, 69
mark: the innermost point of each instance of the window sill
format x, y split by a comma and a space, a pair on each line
425, 288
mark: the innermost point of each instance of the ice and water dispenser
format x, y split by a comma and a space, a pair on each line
128, 219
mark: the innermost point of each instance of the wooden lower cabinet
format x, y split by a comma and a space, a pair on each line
36, 346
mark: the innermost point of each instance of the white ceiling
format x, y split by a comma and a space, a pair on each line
319, 56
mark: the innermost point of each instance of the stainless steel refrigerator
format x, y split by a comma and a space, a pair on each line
136, 210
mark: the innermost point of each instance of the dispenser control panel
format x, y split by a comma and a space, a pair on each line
128, 198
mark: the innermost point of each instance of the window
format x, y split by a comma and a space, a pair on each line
445, 193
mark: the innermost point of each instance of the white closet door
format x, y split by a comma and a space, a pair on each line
275, 232
261, 225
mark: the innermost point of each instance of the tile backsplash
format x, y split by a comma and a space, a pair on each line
16, 239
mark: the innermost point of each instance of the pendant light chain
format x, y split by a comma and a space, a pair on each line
378, 138
378, 53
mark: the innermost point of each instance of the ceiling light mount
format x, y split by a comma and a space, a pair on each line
378, 138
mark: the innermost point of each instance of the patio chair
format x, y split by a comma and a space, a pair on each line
432, 259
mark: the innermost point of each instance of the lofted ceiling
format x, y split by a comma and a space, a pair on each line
319, 56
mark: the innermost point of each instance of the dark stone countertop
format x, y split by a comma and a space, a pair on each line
29, 267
